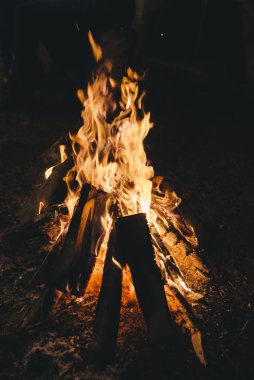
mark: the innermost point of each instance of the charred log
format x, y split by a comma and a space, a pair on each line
135, 243
71, 267
92, 240
109, 302
52, 191
55, 269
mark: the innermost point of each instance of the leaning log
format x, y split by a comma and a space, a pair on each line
165, 198
109, 302
56, 268
92, 240
135, 243
52, 191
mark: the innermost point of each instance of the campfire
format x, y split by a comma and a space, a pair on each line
113, 213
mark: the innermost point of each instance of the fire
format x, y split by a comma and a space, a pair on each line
41, 206
109, 154
97, 50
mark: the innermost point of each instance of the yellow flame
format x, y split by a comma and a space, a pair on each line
97, 50
49, 171
41, 205
110, 156
117, 263
183, 285
63, 157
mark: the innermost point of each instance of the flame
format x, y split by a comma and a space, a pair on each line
41, 206
63, 157
97, 50
49, 171
117, 263
109, 154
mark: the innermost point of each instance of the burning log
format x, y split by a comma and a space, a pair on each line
52, 191
93, 239
36, 209
71, 267
164, 196
55, 269
179, 231
136, 245
111, 169
109, 302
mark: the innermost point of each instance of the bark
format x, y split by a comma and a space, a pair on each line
92, 240
52, 191
135, 242
56, 268
109, 302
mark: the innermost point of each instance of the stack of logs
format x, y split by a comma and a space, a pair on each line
129, 243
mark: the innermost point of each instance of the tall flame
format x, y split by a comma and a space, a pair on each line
110, 155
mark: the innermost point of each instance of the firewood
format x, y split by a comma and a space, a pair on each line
71, 267
55, 268
92, 240
164, 197
52, 191
135, 243
51, 155
109, 302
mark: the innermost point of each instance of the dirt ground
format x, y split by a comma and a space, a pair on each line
202, 142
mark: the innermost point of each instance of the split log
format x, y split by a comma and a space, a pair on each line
89, 239
92, 240
55, 268
135, 243
173, 224
109, 302
71, 267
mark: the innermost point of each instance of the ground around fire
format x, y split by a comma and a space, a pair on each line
202, 142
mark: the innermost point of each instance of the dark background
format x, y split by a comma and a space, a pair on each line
200, 93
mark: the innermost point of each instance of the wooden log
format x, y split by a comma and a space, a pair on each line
108, 307
55, 269
164, 197
29, 220
92, 241
52, 191
70, 268
135, 242
51, 155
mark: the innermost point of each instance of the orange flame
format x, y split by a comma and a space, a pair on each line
110, 156
97, 50
63, 157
